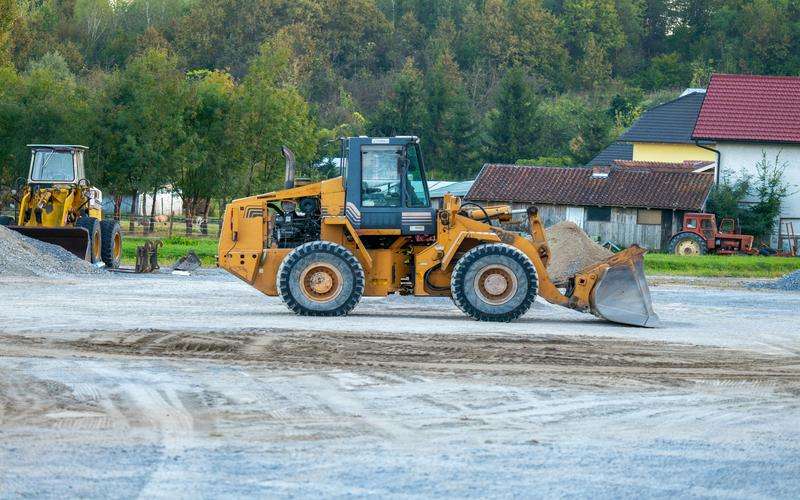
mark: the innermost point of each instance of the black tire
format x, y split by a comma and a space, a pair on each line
675, 242
95, 239
517, 286
306, 272
111, 243
5, 220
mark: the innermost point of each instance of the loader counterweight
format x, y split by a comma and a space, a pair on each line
303, 243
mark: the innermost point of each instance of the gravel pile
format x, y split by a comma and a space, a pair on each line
21, 256
789, 282
570, 251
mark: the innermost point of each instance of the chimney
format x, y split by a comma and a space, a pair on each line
600, 172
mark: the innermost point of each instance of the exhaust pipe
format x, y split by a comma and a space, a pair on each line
290, 167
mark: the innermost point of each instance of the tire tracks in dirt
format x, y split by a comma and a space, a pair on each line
562, 359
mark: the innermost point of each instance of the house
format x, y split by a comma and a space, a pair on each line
168, 202
746, 117
437, 190
663, 133
627, 203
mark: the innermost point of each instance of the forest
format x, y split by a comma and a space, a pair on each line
200, 94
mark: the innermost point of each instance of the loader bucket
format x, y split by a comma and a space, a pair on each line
72, 239
621, 294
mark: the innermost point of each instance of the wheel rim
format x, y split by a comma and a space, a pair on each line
321, 282
117, 245
688, 247
495, 284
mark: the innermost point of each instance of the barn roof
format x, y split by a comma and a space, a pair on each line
751, 108
597, 186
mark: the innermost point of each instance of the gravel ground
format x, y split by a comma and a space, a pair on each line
177, 387
23, 256
789, 283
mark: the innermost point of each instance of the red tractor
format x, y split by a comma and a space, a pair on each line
701, 235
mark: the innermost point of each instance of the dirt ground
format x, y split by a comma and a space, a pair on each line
177, 387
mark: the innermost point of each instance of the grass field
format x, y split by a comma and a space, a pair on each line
175, 247
737, 266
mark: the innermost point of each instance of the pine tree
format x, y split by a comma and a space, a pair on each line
515, 121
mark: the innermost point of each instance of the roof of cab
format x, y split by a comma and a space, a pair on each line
57, 146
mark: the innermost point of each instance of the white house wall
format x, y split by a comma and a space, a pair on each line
741, 158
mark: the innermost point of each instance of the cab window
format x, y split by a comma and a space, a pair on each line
417, 195
380, 176
51, 166
691, 224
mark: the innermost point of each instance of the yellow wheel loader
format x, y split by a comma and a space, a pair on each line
59, 206
372, 231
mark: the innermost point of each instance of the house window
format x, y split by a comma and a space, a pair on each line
648, 217
598, 214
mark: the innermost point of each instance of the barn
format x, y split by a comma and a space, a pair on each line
625, 203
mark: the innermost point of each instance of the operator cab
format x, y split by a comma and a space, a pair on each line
386, 185
56, 164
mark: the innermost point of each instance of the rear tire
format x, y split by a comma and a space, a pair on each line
320, 278
95, 240
687, 244
494, 282
111, 251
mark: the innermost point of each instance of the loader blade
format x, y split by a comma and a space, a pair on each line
621, 294
72, 239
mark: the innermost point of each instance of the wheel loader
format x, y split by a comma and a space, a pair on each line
372, 231
59, 206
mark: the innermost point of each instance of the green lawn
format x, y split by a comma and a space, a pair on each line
177, 246
736, 266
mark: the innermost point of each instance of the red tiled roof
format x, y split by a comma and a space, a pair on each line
750, 108
577, 186
661, 166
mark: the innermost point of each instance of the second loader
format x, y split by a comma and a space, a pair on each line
372, 231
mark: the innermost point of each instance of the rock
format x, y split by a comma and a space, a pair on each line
571, 250
23, 256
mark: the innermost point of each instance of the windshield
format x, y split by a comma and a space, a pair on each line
49, 165
380, 176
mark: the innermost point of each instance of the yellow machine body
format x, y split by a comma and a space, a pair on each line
59, 206
424, 267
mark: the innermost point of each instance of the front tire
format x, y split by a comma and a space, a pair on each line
92, 225
687, 244
320, 278
494, 282
111, 245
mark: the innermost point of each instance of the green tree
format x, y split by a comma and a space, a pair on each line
272, 114
149, 100
451, 142
403, 110
514, 123
214, 157
8, 13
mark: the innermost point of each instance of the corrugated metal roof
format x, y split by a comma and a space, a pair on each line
751, 108
454, 188
671, 122
578, 186
616, 151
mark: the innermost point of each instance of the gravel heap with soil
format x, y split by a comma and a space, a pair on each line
789, 282
570, 251
21, 256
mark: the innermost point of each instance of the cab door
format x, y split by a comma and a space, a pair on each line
386, 187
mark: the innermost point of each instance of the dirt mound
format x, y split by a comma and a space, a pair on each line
570, 251
23, 256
